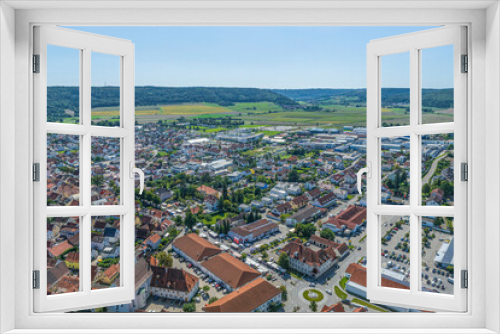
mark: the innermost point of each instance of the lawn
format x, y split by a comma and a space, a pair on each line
367, 304
318, 298
341, 294
343, 281
211, 130
270, 133
214, 218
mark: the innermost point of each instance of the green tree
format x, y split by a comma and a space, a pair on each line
213, 299
284, 261
305, 230
189, 307
284, 293
190, 220
206, 288
226, 206
178, 220
224, 192
327, 234
293, 176
313, 306
165, 260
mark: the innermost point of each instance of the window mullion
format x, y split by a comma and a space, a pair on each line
414, 168
85, 172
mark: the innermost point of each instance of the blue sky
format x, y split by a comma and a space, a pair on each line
262, 57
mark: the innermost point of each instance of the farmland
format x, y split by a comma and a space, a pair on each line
267, 113
252, 107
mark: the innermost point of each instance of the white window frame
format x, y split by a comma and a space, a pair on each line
413, 43
483, 20
86, 44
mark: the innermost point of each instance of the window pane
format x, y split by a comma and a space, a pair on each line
63, 170
63, 255
437, 84
105, 269
105, 89
437, 170
105, 171
63, 85
437, 254
395, 255
395, 83
395, 170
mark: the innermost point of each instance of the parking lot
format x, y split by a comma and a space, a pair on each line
396, 256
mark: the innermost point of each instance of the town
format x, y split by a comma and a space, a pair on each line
251, 218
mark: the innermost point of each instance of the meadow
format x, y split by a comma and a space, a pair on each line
267, 113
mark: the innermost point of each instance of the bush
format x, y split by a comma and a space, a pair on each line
189, 307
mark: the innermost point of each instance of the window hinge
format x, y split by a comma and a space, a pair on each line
465, 279
464, 170
465, 64
36, 279
36, 172
36, 63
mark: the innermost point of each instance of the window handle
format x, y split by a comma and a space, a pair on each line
368, 171
134, 170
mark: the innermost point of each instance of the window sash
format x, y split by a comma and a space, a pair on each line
413, 43
86, 297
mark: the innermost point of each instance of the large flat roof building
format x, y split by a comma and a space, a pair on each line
253, 231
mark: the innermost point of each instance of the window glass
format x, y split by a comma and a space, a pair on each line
437, 84
106, 95
63, 255
437, 255
395, 254
105, 171
63, 85
395, 170
438, 170
63, 170
105, 268
395, 92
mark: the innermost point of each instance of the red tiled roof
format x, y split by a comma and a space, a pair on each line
59, 249
231, 270
333, 308
358, 276
298, 251
208, 190
196, 247
245, 299
173, 279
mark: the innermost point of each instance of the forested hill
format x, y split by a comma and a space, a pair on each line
442, 98
67, 97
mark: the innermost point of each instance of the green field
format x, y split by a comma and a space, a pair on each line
193, 109
256, 114
255, 107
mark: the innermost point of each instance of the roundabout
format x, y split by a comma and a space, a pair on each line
313, 295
